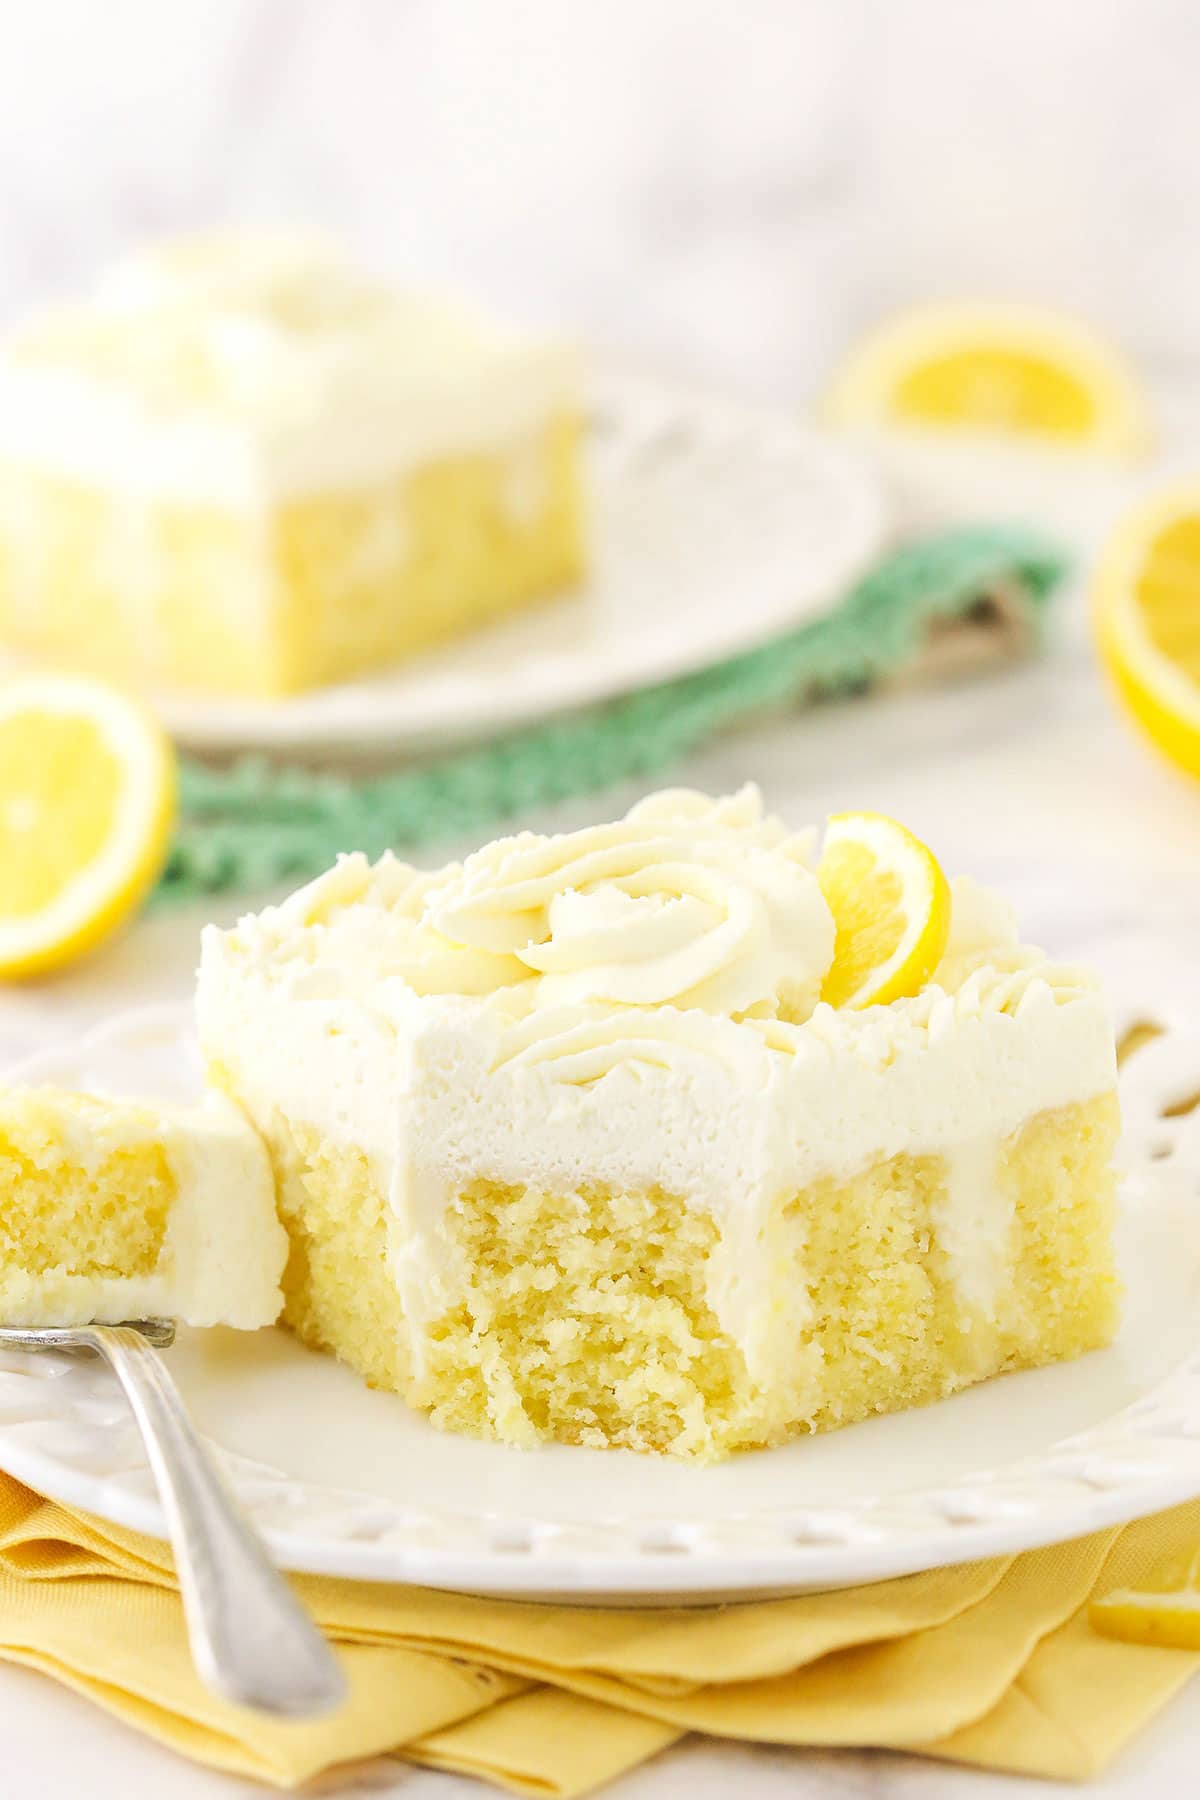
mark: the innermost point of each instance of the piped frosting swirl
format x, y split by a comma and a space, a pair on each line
697, 904
692, 931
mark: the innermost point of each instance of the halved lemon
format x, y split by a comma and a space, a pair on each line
997, 370
1168, 1615
1147, 620
891, 910
87, 799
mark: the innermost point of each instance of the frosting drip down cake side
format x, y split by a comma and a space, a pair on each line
568, 1145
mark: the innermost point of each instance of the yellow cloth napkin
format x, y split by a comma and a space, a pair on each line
992, 1663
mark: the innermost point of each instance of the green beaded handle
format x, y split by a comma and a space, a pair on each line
256, 825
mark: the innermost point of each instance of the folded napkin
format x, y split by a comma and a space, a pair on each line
965, 596
993, 1663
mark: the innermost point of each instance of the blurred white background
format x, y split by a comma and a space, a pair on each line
728, 190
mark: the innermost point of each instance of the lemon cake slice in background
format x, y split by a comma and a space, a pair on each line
244, 467
570, 1146
114, 1210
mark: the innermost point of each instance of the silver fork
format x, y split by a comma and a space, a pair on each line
251, 1640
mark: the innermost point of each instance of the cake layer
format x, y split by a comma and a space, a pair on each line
244, 467
114, 1210
480, 1083
586, 1314
321, 1020
203, 597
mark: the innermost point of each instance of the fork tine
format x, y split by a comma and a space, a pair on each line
159, 1332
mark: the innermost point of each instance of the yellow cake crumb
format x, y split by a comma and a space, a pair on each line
100, 1213
586, 1318
111, 1210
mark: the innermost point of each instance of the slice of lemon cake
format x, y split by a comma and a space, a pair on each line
111, 1210
243, 467
569, 1145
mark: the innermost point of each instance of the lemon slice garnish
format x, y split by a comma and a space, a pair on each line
1166, 1614
1013, 371
1147, 620
87, 799
891, 910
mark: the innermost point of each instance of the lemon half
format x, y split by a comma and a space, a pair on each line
87, 800
997, 370
1147, 619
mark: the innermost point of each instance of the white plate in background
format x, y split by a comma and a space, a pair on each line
713, 529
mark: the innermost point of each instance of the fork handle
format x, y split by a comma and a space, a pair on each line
251, 1640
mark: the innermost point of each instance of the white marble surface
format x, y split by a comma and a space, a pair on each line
94, 1758
1025, 777
721, 197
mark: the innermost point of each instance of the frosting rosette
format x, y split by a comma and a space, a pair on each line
687, 902
366, 923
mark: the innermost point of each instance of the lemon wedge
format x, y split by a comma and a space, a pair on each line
891, 910
1168, 1615
1146, 615
87, 799
1012, 371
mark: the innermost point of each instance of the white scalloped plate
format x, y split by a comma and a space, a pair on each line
713, 529
346, 1481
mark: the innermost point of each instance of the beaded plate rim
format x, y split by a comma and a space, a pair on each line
64, 1431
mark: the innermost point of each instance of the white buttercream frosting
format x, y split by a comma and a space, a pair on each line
238, 369
635, 1004
685, 902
